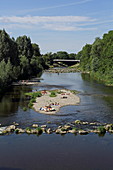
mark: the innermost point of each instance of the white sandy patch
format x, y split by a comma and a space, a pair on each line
63, 99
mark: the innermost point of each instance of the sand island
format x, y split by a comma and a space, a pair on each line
51, 101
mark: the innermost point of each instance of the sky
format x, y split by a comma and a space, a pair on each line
57, 25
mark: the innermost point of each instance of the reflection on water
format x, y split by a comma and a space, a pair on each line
96, 101
53, 152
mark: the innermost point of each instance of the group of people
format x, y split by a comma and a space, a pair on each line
49, 107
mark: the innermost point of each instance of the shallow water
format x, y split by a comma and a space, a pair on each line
96, 101
54, 152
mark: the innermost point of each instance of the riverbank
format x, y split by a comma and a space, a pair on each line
51, 101
71, 69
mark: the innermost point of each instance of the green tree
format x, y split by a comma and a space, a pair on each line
8, 48
24, 46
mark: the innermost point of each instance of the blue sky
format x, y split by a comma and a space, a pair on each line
57, 25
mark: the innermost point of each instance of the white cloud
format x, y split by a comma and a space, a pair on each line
57, 23
42, 19
54, 7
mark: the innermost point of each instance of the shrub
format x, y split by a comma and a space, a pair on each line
24, 109
33, 100
36, 94
102, 129
28, 128
30, 105
39, 130
53, 94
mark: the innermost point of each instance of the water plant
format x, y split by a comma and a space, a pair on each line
39, 130
101, 129
28, 129
24, 109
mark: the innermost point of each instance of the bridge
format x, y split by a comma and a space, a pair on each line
66, 61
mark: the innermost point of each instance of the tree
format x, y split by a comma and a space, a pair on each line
36, 50
24, 47
8, 48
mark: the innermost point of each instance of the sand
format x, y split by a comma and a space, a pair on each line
63, 99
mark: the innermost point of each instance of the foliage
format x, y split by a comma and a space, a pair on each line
39, 129
53, 94
19, 59
49, 57
101, 129
24, 109
98, 58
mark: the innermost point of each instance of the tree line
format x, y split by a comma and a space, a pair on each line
20, 59
97, 58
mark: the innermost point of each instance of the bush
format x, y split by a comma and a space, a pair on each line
36, 94
24, 109
53, 94
28, 129
30, 105
33, 100
39, 130
102, 129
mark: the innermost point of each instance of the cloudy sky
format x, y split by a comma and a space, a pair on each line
57, 25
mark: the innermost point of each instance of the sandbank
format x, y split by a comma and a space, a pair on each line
64, 98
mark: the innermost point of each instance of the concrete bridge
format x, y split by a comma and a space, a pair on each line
69, 61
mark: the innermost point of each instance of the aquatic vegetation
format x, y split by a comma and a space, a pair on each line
39, 130
24, 109
102, 129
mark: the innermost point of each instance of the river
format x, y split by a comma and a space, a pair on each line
54, 152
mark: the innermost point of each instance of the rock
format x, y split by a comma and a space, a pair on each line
10, 128
108, 127
95, 131
58, 131
83, 132
111, 131
43, 126
67, 127
59, 127
43, 130
49, 131
2, 130
33, 131
19, 130
35, 125
28, 131
93, 123
85, 123
16, 124
72, 131
63, 132
77, 122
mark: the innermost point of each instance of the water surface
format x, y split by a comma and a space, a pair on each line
52, 152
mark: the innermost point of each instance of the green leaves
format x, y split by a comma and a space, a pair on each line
98, 58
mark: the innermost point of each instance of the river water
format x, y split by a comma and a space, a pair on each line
54, 152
